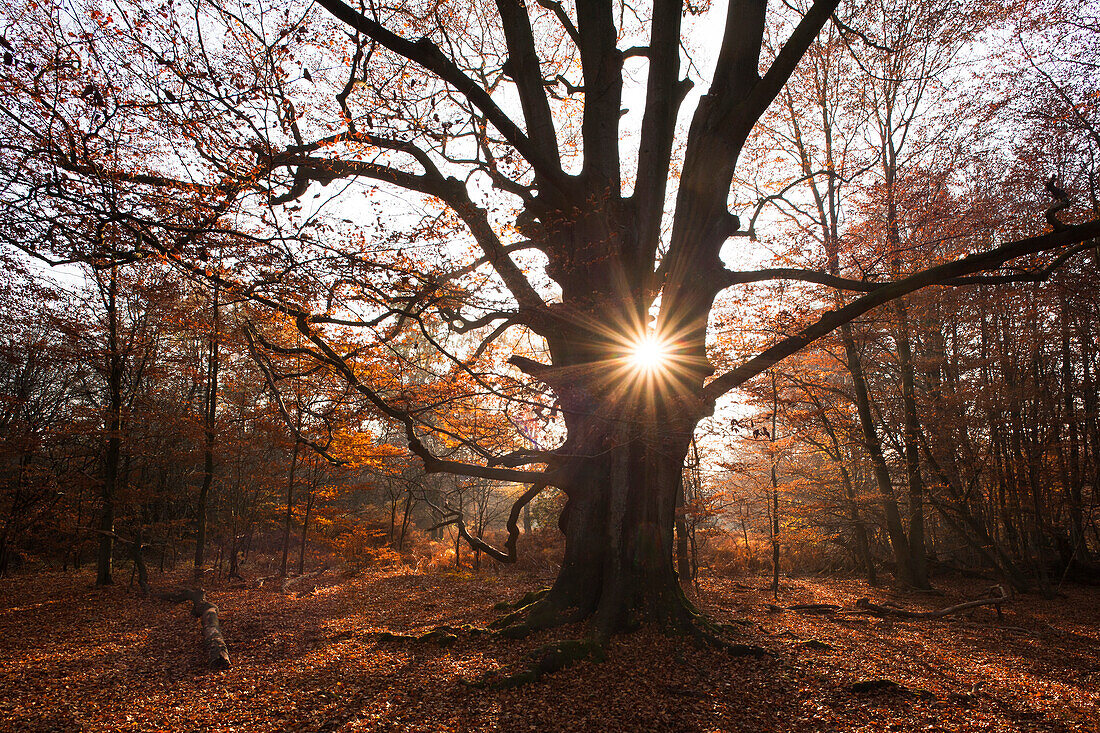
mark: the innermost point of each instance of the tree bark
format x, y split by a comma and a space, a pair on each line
775, 490
113, 452
289, 507
210, 414
911, 429
899, 543
618, 566
217, 653
305, 527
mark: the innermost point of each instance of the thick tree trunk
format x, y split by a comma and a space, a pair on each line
618, 525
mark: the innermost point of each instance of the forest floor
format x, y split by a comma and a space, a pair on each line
73, 658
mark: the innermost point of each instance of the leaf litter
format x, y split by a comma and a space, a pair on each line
77, 658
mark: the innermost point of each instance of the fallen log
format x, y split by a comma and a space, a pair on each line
290, 582
865, 606
217, 652
814, 607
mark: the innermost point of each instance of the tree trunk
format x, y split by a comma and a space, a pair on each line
209, 416
234, 553
683, 558
217, 653
112, 455
391, 535
289, 507
899, 543
618, 525
917, 553
406, 516
775, 490
137, 554
305, 528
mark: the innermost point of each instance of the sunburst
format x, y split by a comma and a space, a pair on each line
649, 353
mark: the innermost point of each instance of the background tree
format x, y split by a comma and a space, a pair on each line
541, 263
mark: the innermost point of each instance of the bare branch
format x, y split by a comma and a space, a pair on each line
431, 57
563, 18
937, 275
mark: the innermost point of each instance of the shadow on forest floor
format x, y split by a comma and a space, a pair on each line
77, 658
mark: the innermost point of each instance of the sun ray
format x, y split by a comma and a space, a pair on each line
649, 353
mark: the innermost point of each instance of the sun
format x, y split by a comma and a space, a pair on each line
648, 353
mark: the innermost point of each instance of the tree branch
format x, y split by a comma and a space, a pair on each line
937, 275
428, 55
525, 70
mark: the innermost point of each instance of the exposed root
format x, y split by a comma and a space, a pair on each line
541, 610
543, 661
526, 600
443, 636
536, 612
707, 633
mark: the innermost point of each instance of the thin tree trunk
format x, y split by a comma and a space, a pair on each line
899, 543
775, 490
289, 507
405, 518
305, 529
683, 561
209, 423
911, 430
114, 436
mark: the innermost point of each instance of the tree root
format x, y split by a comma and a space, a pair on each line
443, 636
527, 599
560, 655
706, 631
543, 661
534, 612
538, 610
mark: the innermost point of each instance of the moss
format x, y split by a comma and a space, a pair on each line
505, 621
564, 654
441, 636
519, 679
472, 630
527, 599
516, 631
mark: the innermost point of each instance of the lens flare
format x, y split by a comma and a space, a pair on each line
649, 353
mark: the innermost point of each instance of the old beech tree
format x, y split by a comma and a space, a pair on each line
508, 118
